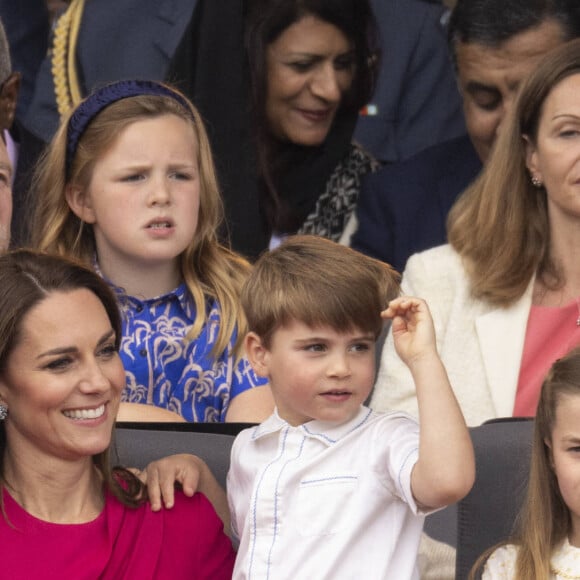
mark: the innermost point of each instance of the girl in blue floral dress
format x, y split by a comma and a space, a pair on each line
128, 185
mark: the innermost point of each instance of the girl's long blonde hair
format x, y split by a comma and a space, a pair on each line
209, 269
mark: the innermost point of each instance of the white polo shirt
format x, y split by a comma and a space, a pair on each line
324, 501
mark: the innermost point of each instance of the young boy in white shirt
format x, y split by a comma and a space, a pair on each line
326, 488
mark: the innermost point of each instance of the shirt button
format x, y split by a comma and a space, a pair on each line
143, 352
139, 308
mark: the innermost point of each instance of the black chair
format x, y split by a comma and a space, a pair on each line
137, 444
487, 514
442, 525
484, 517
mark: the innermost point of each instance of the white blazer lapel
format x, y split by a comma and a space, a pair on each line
501, 335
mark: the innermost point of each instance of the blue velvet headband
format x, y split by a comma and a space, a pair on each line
101, 99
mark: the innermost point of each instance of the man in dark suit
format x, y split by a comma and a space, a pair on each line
416, 102
26, 24
115, 40
403, 208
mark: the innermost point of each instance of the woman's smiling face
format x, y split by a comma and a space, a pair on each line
62, 383
310, 66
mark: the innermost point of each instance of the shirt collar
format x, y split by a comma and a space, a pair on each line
180, 293
327, 433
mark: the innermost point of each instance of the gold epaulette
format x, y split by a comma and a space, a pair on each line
64, 71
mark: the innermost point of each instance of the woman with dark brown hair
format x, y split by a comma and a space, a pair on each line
286, 115
65, 512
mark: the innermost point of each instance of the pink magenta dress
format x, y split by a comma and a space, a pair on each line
185, 542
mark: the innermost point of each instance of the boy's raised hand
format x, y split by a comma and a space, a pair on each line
445, 469
412, 328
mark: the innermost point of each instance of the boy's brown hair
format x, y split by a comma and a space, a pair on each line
319, 283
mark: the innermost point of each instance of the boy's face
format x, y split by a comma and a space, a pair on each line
315, 373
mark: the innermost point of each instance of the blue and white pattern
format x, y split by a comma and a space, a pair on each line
166, 370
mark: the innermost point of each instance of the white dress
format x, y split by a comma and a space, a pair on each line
564, 564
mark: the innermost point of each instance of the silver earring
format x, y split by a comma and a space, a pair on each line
3, 412
536, 181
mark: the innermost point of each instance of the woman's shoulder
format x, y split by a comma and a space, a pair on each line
187, 512
195, 517
437, 270
197, 508
186, 540
443, 256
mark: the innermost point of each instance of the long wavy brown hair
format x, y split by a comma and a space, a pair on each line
500, 226
26, 279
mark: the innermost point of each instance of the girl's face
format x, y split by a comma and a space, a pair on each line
62, 383
555, 157
143, 196
565, 446
309, 67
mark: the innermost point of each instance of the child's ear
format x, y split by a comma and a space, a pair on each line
257, 354
80, 204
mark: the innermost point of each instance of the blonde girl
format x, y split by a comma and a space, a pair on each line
548, 542
128, 185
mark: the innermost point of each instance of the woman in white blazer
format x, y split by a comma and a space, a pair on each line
505, 291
